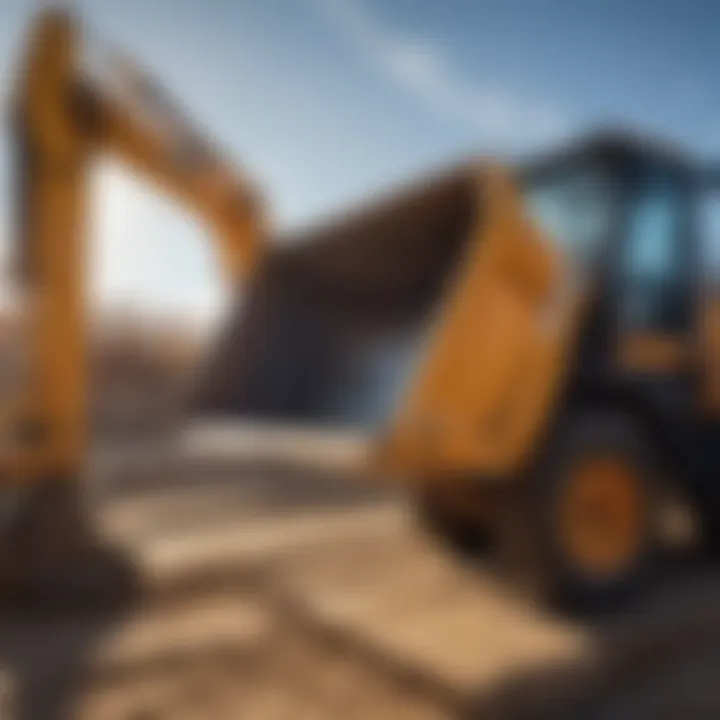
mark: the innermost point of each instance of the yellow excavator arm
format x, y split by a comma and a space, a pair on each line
63, 121
63, 110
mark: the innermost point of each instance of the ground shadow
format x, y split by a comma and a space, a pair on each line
657, 658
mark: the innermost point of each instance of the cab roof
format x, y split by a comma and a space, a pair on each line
615, 147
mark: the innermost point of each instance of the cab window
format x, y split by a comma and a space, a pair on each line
655, 264
710, 237
575, 208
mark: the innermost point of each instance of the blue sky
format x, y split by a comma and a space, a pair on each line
327, 101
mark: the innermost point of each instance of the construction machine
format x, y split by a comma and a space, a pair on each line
532, 348
529, 346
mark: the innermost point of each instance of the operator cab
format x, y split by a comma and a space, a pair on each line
635, 219
626, 211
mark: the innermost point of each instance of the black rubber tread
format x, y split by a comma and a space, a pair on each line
533, 531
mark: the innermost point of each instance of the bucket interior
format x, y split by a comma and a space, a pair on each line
331, 327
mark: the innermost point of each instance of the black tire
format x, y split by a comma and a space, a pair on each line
535, 520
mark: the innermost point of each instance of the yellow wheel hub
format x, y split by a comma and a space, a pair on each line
601, 516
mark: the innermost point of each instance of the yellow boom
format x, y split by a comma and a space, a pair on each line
64, 120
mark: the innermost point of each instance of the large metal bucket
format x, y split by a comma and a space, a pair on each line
331, 327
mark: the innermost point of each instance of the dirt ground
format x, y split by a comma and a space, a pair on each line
278, 594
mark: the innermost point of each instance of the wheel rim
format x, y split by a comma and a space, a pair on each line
602, 516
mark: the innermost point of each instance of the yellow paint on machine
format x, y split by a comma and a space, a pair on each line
497, 351
63, 121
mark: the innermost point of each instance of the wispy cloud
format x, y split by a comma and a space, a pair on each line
422, 66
